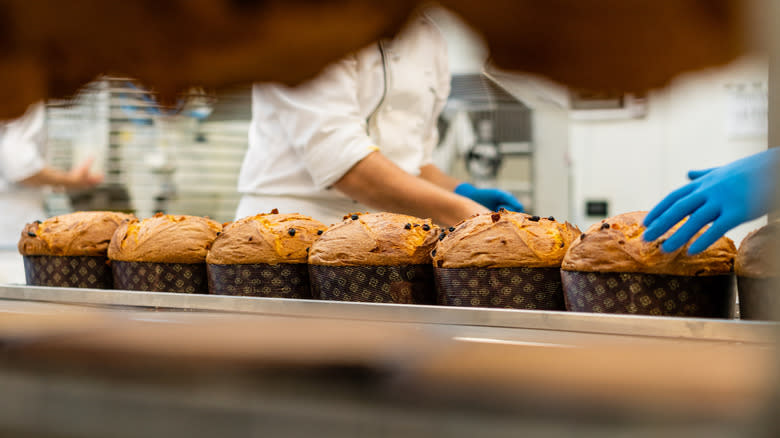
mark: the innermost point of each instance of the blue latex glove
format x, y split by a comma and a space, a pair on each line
494, 199
726, 196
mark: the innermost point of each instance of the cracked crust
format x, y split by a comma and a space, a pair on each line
83, 233
265, 238
616, 245
164, 239
376, 239
505, 239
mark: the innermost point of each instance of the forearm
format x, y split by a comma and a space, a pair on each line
377, 182
435, 176
48, 177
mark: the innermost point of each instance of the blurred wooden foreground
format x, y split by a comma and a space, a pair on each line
55, 357
50, 48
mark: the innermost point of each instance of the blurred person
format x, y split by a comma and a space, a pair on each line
23, 174
724, 196
360, 137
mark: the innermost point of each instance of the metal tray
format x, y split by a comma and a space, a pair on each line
664, 327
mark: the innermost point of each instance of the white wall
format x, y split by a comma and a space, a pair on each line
635, 163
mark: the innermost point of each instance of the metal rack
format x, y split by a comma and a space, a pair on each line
153, 158
699, 329
491, 132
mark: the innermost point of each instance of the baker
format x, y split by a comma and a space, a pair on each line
724, 196
23, 175
359, 137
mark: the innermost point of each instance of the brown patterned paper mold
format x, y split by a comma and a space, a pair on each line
758, 274
611, 269
70, 250
68, 271
503, 259
512, 288
400, 284
165, 253
283, 280
377, 257
264, 256
161, 277
759, 298
650, 294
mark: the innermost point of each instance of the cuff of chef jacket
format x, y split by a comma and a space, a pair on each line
330, 167
21, 161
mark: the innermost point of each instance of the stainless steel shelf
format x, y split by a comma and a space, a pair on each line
646, 326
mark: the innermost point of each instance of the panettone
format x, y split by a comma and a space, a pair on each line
84, 233
503, 259
759, 253
266, 238
376, 239
758, 273
616, 245
376, 257
164, 239
505, 239
610, 268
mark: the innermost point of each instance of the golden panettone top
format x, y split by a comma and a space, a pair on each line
505, 239
266, 238
616, 245
164, 238
83, 233
759, 253
376, 239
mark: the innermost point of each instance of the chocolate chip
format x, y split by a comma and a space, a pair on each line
605, 226
354, 217
451, 229
550, 218
319, 232
219, 232
433, 253
534, 218
442, 235
275, 211
31, 234
416, 225
582, 236
495, 217
621, 242
563, 244
250, 238
291, 231
307, 249
502, 210
408, 226
426, 227
439, 263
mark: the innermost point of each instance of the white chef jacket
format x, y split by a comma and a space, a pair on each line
386, 97
21, 156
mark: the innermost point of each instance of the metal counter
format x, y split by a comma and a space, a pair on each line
605, 324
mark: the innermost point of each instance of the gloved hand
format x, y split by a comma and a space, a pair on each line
726, 196
494, 199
